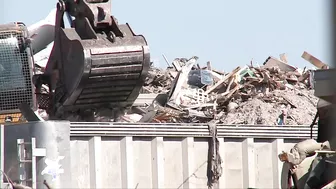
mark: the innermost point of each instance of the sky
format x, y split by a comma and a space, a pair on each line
229, 33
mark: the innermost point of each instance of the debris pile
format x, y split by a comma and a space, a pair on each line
275, 93
158, 80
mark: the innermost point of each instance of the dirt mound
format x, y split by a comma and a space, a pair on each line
300, 106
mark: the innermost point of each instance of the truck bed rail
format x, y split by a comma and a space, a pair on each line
189, 130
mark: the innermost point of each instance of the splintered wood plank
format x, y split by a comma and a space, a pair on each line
219, 83
313, 60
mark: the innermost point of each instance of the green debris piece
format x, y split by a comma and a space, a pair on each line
247, 71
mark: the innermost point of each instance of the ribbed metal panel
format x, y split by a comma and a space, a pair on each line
110, 74
189, 130
123, 160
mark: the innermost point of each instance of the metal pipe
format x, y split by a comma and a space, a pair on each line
42, 32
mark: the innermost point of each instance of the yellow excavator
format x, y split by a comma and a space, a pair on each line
94, 64
15, 72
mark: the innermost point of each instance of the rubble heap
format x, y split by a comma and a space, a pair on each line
272, 94
275, 93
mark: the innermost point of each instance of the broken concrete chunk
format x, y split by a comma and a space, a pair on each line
232, 106
273, 62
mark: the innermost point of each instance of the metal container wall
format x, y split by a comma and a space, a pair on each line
52, 137
323, 86
162, 162
115, 155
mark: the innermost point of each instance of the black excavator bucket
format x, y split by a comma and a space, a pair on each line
97, 65
96, 72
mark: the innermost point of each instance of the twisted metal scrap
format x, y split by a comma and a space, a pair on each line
214, 159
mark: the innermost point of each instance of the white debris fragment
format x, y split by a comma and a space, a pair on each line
131, 118
53, 168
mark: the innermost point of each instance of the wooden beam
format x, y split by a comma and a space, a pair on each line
219, 83
230, 83
313, 60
